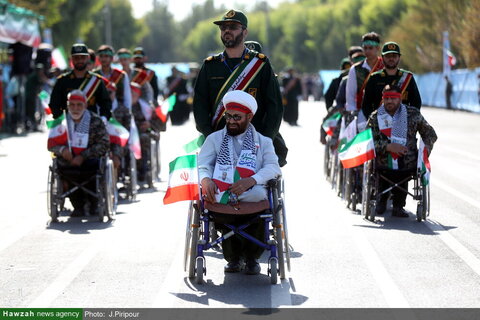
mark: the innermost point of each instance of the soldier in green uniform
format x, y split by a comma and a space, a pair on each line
218, 74
139, 59
90, 83
390, 74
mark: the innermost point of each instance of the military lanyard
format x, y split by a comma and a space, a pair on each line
236, 66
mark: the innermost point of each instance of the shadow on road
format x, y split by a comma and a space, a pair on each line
79, 225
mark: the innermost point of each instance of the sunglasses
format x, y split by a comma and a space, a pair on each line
235, 117
233, 27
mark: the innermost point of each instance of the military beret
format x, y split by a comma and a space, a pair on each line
240, 101
233, 16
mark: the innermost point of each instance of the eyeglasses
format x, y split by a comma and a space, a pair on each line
232, 26
235, 117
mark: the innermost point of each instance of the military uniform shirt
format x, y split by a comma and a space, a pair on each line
264, 88
68, 82
373, 91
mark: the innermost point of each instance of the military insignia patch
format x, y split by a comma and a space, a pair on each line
230, 14
252, 92
251, 46
391, 46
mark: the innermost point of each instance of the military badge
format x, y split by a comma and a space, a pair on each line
230, 14
391, 46
252, 92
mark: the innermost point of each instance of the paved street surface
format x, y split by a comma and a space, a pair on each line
339, 259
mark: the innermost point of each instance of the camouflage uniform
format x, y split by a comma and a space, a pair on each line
98, 145
416, 123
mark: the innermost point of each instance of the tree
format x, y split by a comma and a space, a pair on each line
126, 30
50, 9
76, 22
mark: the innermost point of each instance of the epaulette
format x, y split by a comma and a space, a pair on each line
63, 75
380, 72
214, 57
260, 56
401, 71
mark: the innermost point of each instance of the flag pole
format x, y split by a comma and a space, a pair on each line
68, 136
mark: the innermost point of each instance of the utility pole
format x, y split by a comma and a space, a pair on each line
108, 23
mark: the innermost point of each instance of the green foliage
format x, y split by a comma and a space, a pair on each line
126, 30
50, 9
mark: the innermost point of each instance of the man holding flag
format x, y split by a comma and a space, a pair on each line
91, 84
394, 128
79, 139
235, 164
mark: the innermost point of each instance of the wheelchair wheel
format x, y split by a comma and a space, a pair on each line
367, 208
132, 174
334, 169
273, 271
54, 190
193, 228
188, 236
326, 161
348, 186
110, 200
279, 232
423, 206
199, 270
155, 162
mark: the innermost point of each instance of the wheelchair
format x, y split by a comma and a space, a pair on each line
372, 176
200, 235
149, 164
105, 190
127, 175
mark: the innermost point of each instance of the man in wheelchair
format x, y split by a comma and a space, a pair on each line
79, 160
234, 165
394, 128
148, 124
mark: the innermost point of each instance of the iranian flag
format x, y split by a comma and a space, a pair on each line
44, 97
59, 58
358, 151
194, 145
165, 107
118, 133
58, 134
423, 164
331, 123
183, 180
134, 140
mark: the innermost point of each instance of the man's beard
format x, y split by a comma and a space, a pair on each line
80, 66
139, 64
239, 128
391, 66
232, 43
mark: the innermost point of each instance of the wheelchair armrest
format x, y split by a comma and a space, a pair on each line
242, 208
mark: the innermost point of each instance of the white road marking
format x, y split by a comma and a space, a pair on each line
456, 193
469, 258
280, 293
391, 293
65, 278
460, 152
166, 293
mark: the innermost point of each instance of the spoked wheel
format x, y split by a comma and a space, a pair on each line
348, 186
286, 245
334, 169
367, 209
54, 189
278, 231
426, 209
132, 172
156, 163
326, 161
273, 270
194, 230
109, 191
188, 237
423, 207
199, 270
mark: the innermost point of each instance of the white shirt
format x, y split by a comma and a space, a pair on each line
352, 86
267, 162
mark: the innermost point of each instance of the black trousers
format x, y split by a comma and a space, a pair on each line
80, 174
237, 247
398, 196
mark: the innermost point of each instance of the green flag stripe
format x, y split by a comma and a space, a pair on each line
194, 144
359, 138
189, 161
53, 123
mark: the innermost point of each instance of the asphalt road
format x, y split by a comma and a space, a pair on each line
339, 259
